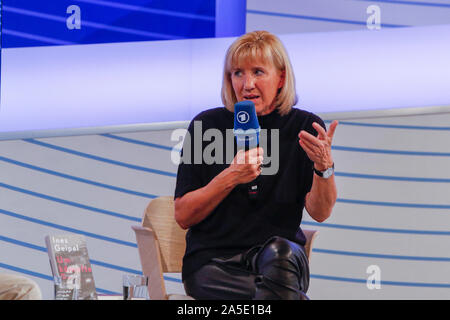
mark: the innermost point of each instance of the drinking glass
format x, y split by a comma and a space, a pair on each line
135, 286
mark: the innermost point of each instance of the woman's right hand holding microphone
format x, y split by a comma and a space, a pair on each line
246, 165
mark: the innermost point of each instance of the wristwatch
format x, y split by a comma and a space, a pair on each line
325, 174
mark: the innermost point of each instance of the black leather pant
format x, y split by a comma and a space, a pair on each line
276, 270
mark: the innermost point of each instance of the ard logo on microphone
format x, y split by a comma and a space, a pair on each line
243, 117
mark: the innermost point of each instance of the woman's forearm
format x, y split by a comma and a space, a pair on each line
319, 202
196, 205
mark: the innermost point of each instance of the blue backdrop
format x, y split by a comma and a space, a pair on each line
41, 23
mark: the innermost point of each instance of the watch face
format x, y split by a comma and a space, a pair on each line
328, 173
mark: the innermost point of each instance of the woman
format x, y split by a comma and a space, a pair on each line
237, 248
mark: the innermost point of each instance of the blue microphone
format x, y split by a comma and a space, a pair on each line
246, 130
246, 125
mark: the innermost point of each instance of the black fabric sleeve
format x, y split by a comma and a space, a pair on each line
188, 174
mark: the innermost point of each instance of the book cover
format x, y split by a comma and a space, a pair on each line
71, 268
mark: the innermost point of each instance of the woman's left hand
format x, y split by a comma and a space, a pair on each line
318, 148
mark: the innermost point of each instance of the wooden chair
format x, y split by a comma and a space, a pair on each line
161, 245
310, 237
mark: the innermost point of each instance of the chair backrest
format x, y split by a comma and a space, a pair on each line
310, 237
160, 217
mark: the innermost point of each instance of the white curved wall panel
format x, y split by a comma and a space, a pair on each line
392, 209
66, 87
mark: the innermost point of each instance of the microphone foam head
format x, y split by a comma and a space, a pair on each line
245, 116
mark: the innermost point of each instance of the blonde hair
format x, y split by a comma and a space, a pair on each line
260, 46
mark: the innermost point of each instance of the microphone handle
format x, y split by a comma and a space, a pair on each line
252, 189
